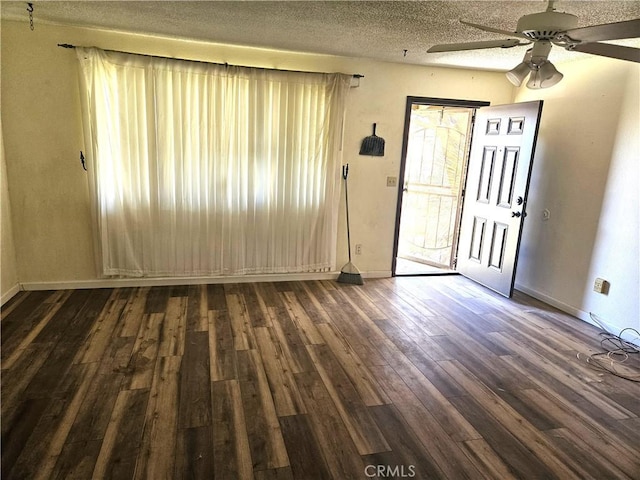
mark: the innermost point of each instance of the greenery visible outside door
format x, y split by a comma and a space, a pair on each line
437, 149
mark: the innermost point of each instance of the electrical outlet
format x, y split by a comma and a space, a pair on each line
601, 286
392, 181
358, 249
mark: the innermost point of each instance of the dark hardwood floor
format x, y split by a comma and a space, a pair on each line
400, 378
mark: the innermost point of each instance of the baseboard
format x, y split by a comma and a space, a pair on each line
565, 307
576, 312
169, 281
376, 274
9, 294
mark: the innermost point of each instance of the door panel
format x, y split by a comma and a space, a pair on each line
486, 174
502, 149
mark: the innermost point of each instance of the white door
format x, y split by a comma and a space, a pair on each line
495, 199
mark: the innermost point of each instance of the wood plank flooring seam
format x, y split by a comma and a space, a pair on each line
303, 380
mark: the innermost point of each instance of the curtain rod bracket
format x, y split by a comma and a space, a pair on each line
68, 45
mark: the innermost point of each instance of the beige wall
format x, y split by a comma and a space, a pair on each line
9, 279
49, 194
586, 173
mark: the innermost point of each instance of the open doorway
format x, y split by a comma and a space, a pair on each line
432, 175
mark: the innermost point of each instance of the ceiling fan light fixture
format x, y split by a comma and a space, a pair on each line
518, 74
550, 75
535, 81
544, 75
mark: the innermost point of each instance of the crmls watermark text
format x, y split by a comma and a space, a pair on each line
390, 471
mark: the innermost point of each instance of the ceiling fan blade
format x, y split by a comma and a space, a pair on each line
609, 50
454, 47
606, 31
494, 30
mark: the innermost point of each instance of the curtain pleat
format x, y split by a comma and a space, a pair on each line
201, 169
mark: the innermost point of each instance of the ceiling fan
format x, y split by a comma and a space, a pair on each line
553, 28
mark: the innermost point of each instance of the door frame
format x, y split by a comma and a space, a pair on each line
413, 100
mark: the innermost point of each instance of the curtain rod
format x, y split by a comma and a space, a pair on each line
68, 45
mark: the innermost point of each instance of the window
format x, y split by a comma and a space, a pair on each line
205, 169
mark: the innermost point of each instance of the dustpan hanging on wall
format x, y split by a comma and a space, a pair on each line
373, 145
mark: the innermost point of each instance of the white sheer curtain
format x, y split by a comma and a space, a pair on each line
203, 169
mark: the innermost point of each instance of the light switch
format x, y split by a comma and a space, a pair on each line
601, 286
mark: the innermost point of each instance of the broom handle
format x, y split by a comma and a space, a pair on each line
345, 174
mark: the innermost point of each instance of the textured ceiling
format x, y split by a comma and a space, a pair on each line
378, 30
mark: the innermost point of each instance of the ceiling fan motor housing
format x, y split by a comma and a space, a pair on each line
546, 25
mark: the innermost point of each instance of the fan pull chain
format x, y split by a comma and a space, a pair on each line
30, 10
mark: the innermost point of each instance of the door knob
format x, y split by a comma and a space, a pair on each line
520, 201
516, 214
